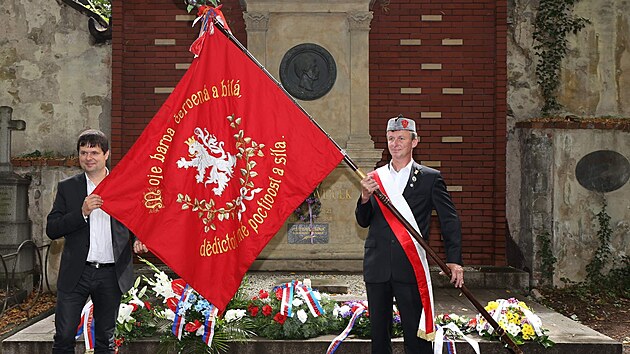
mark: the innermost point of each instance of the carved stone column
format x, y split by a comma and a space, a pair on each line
257, 24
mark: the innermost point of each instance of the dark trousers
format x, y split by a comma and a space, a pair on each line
380, 303
102, 286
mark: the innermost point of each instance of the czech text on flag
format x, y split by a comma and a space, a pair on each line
217, 171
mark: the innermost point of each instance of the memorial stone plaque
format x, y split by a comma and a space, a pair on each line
308, 71
603, 171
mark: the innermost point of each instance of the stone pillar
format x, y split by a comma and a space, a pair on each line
257, 24
338, 30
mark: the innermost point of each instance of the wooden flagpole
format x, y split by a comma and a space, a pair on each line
500, 332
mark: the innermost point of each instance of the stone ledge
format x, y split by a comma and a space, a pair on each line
320, 344
570, 122
41, 161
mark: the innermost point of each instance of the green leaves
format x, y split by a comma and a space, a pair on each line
552, 24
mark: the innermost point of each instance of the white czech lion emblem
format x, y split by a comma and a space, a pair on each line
213, 164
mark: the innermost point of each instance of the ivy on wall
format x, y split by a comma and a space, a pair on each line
103, 8
553, 22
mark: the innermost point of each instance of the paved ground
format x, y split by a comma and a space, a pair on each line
570, 336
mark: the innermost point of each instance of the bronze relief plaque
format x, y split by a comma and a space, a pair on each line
308, 71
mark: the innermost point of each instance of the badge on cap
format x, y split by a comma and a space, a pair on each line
401, 123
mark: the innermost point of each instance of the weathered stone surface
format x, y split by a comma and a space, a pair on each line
52, 74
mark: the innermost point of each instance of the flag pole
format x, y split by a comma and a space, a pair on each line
500, 332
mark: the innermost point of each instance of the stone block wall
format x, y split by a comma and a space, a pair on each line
554, 202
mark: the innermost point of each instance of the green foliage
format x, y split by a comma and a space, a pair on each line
548, 259
103, 8
41, 155
264, 312
599, 285
596, 267
192, 4
552, 24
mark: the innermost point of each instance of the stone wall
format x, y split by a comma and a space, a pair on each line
595, 83
52, 75
554, 202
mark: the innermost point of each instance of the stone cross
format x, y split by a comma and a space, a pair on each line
6, 126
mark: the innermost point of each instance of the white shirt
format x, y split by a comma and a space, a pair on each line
401, 177
101, 248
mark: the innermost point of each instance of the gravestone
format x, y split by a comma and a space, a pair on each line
319, 52
15, 226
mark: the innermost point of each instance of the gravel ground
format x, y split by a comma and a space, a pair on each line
255, 281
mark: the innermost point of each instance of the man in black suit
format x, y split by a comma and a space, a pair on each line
416, 191
96, 259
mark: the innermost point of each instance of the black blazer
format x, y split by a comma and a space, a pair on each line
384, 257
66, 220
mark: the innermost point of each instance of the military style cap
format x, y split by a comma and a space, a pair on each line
401, 123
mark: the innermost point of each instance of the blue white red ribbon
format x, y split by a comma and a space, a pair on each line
290, 290
287, 299
440, 338
208, 332
180, 319
310, 299
207, 15
86, 325
358, 311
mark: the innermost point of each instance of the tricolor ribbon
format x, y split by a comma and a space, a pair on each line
86, 325
290, 290
208, 332
440, 338
207, 14
310, 299
287, 299
180, 319
358, 311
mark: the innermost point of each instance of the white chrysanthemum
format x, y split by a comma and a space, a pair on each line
124, 313
345, 310
317, 295
234, 315
513, 329
297, 301
301, 314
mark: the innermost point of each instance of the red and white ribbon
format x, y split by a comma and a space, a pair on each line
415, 253
358, 311
208, 332
450, 344
86, 326
180, 319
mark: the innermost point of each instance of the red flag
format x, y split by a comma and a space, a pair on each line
217, 171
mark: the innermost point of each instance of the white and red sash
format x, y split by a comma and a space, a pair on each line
415, 253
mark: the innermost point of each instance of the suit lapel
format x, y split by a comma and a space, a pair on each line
414, 180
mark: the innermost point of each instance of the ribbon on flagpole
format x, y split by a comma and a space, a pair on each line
356, 313
86, 325
207, 14
440, 338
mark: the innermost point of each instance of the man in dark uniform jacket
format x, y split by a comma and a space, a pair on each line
96, 260
387, 271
